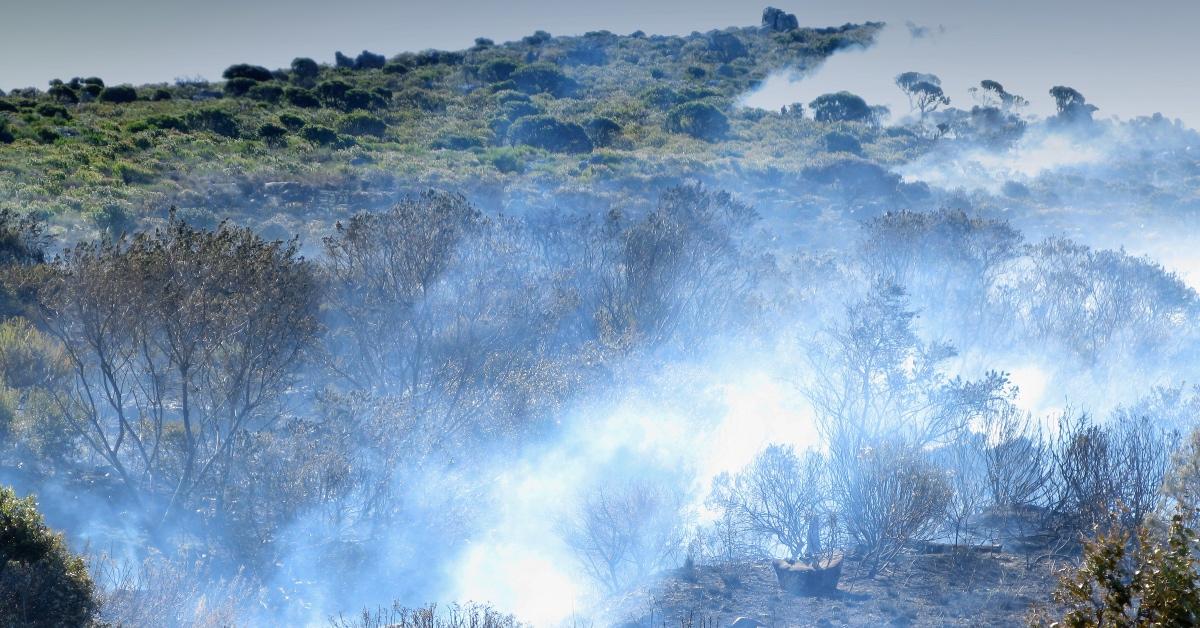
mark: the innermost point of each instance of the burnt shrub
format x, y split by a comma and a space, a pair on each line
256, 73
549, 133
697, 119
118, 94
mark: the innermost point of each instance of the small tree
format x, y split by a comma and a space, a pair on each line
842, 106
41, 582
924, 91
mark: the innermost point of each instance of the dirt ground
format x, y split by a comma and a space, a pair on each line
920, 590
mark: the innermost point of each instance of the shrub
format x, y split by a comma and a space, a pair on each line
41, 582
602, 131
174, 123
697, 119
542, 78
271, 133
119, 94
497, 70
1127, 579
63, 94
291, 121
49, 110
548, 133
837, 142
362, 99
305, 68
265, 93
891, 497
160, 95
362, 124
320, 135
255, 73
457, 142
238, 86
6, 136
303, 98
213, 121
331, 92
369, 61
660, 97
342, 61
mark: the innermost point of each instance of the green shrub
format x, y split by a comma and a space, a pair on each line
161, 95
174, 123
660, 97
255, 73
49, 110
41, 582
369, 61
265, 93
118, 94
497, 70
320, 135
303, 98
542, 78
63, 94
602, 131
213, 121
305, 68
549, 133
697, 119
331, 92
238, 86
291, 121
362, 99
457, 142
271, 133
842, 106
360, 124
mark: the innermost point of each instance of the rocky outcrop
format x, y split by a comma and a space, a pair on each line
777, 21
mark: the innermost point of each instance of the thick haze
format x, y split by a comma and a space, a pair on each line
1127, 58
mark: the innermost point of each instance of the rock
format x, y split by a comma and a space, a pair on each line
803, 578
777, 21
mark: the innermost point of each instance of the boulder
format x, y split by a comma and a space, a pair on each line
802, 578
777, 21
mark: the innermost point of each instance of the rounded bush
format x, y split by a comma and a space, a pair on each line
497, 70
239, 86
369, 61
549, 133
302, 98
602, 131
697, 119
542, 78
319, 135
255, 73
291, 121
213, 121
265, 93
360, 124
118, 94
305, 68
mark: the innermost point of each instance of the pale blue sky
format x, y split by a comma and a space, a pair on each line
1129, 58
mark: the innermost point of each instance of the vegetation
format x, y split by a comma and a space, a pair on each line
41, 582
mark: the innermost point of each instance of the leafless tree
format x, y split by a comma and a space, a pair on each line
622, 534
780, 498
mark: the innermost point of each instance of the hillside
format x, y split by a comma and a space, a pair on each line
510, 124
